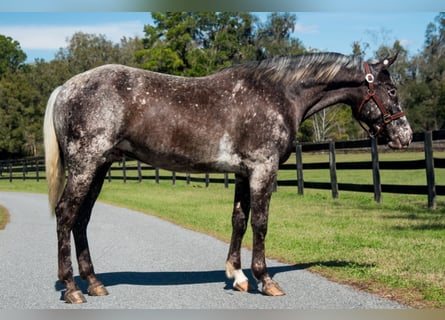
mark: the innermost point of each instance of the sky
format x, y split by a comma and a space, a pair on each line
41, 34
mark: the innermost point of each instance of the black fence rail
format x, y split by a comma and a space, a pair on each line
134, 170
127, 169
23, 169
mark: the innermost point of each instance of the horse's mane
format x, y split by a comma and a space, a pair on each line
308, 67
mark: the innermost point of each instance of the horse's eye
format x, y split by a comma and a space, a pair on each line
392, 92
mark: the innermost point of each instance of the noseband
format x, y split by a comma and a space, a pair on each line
387, 117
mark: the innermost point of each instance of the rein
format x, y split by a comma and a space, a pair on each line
387, 117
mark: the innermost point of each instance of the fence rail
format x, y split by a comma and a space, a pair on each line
34, 168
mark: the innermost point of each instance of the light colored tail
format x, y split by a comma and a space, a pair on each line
55, 171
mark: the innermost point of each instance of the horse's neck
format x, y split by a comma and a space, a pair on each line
342, 89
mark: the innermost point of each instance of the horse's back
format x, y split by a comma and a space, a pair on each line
178, 123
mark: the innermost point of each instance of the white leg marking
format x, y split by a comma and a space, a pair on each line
241, 282
239, 277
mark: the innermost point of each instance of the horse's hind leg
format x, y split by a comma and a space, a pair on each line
66, 213
240, 217
86, 269
73, 213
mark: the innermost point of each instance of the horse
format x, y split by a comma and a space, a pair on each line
242, 119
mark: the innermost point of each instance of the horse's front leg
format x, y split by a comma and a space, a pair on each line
240, 217
261, 185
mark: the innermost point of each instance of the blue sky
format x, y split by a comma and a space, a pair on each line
41, 34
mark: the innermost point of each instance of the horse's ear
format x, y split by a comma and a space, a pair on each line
385, 63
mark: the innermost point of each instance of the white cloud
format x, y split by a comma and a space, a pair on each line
406, 42
53, 37
302, 28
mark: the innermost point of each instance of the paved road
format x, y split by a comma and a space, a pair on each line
146, 262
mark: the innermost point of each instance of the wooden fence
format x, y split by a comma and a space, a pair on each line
429, 164
33, 168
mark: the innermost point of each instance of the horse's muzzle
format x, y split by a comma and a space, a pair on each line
402, 139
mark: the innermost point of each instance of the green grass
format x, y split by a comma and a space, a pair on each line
394, 249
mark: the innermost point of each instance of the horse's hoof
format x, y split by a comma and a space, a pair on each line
75, 297
98, 290
243, 286
271, 288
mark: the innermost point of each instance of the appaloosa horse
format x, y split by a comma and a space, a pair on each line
243, 119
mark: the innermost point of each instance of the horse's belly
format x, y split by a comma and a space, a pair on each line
180, 159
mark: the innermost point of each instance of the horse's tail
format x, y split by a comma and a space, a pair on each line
55, 170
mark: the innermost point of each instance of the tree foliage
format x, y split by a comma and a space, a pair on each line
25, 88
275, 37
12, 56
197, 44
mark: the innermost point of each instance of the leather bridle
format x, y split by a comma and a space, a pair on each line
387, 117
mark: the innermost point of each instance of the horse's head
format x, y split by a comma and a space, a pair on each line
380, 108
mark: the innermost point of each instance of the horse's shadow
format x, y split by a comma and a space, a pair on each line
173, 278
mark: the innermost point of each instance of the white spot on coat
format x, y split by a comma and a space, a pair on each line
227, 158
238, 87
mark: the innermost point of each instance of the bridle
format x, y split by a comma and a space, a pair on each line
387, 117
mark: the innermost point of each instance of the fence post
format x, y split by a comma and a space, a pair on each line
207, 177
157, 175
109, 175
37, 164
333, 170
124, 169
376, 170
226, 180
174, 178
10, 170
24, 169
139, 171
300, 180
275, 184
429, 164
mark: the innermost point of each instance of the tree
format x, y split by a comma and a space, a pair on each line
195, 44
228, 40
359, 49
435, 38
127, 51
274, 37
20, 116
13, 90
424, 90
11, 55
25, 88
167, 43
86, 51
333, 123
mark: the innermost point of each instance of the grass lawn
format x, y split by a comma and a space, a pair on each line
395, 249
